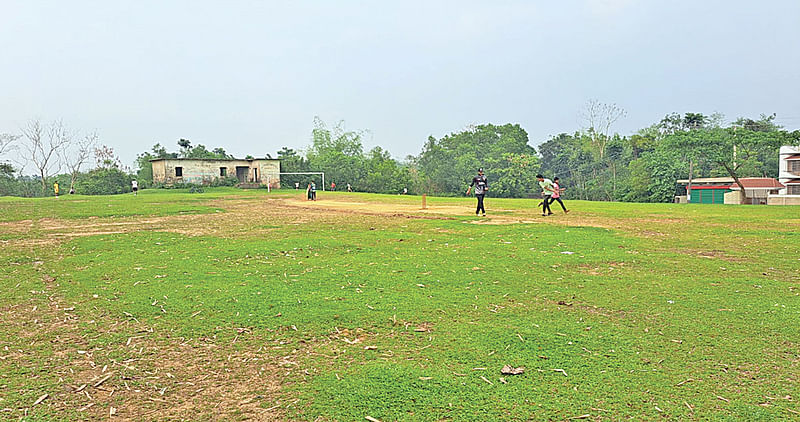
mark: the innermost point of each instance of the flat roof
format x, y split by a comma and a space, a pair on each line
215, 159
708, 180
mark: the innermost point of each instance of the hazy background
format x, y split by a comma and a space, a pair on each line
250, 76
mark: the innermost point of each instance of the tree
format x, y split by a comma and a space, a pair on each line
383, 173
447, 164
292, 162
717, 145
43, 145
186, 147
337, 152
106, 158
76, 155
599, 118
7, 142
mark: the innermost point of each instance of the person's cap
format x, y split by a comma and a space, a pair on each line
539, 176
480, 170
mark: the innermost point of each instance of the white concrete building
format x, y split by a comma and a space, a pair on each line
203, 171
789, 176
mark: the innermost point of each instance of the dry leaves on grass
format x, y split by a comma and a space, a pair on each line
510, 370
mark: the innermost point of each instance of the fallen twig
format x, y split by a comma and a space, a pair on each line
41, 399
104, 379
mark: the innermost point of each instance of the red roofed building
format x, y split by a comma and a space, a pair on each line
757, 190
724, 190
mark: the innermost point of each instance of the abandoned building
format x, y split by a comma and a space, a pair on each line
202, 171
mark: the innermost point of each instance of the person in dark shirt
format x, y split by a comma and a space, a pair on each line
481, 187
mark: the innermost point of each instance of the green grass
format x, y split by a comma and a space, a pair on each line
644, 326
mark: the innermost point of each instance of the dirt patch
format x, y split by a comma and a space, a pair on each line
714, 254
141, 372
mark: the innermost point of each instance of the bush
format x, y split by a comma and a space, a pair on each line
103, 181
224, 181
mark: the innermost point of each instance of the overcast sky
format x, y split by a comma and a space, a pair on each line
251, 76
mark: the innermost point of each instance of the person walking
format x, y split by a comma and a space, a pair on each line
481, 187
547, 193
135, 187
557, 189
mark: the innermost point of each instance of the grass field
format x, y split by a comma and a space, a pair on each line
243, 305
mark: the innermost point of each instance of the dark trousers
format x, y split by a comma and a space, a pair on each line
480, 204
546, 204
560, 202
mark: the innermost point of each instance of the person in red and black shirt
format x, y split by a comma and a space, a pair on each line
481, 187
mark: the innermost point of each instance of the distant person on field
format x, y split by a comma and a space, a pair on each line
333, 186
135, 187
349, 188
296, 185
557, 189
55, 188
547, 193
481, 187
405, 191
311, 191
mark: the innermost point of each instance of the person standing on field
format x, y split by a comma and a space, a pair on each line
311, 191
557, 189
547, 193
55, 188
135, 187
481, 187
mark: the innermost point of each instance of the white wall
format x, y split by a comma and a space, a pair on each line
783, 165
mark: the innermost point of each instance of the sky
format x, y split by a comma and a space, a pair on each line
250, 76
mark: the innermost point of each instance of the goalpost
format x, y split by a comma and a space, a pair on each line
302, 173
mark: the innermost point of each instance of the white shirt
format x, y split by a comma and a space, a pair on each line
134, 184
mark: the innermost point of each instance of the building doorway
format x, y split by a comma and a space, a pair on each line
241, 173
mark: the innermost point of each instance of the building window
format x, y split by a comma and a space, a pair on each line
794, 166
223, 171
793, 190
178, 171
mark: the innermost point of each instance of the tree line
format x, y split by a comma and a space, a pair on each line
593, 163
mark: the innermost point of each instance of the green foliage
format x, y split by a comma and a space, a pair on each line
337, 152
228, 181
103, 181
592, 165
446, 166
293, 162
